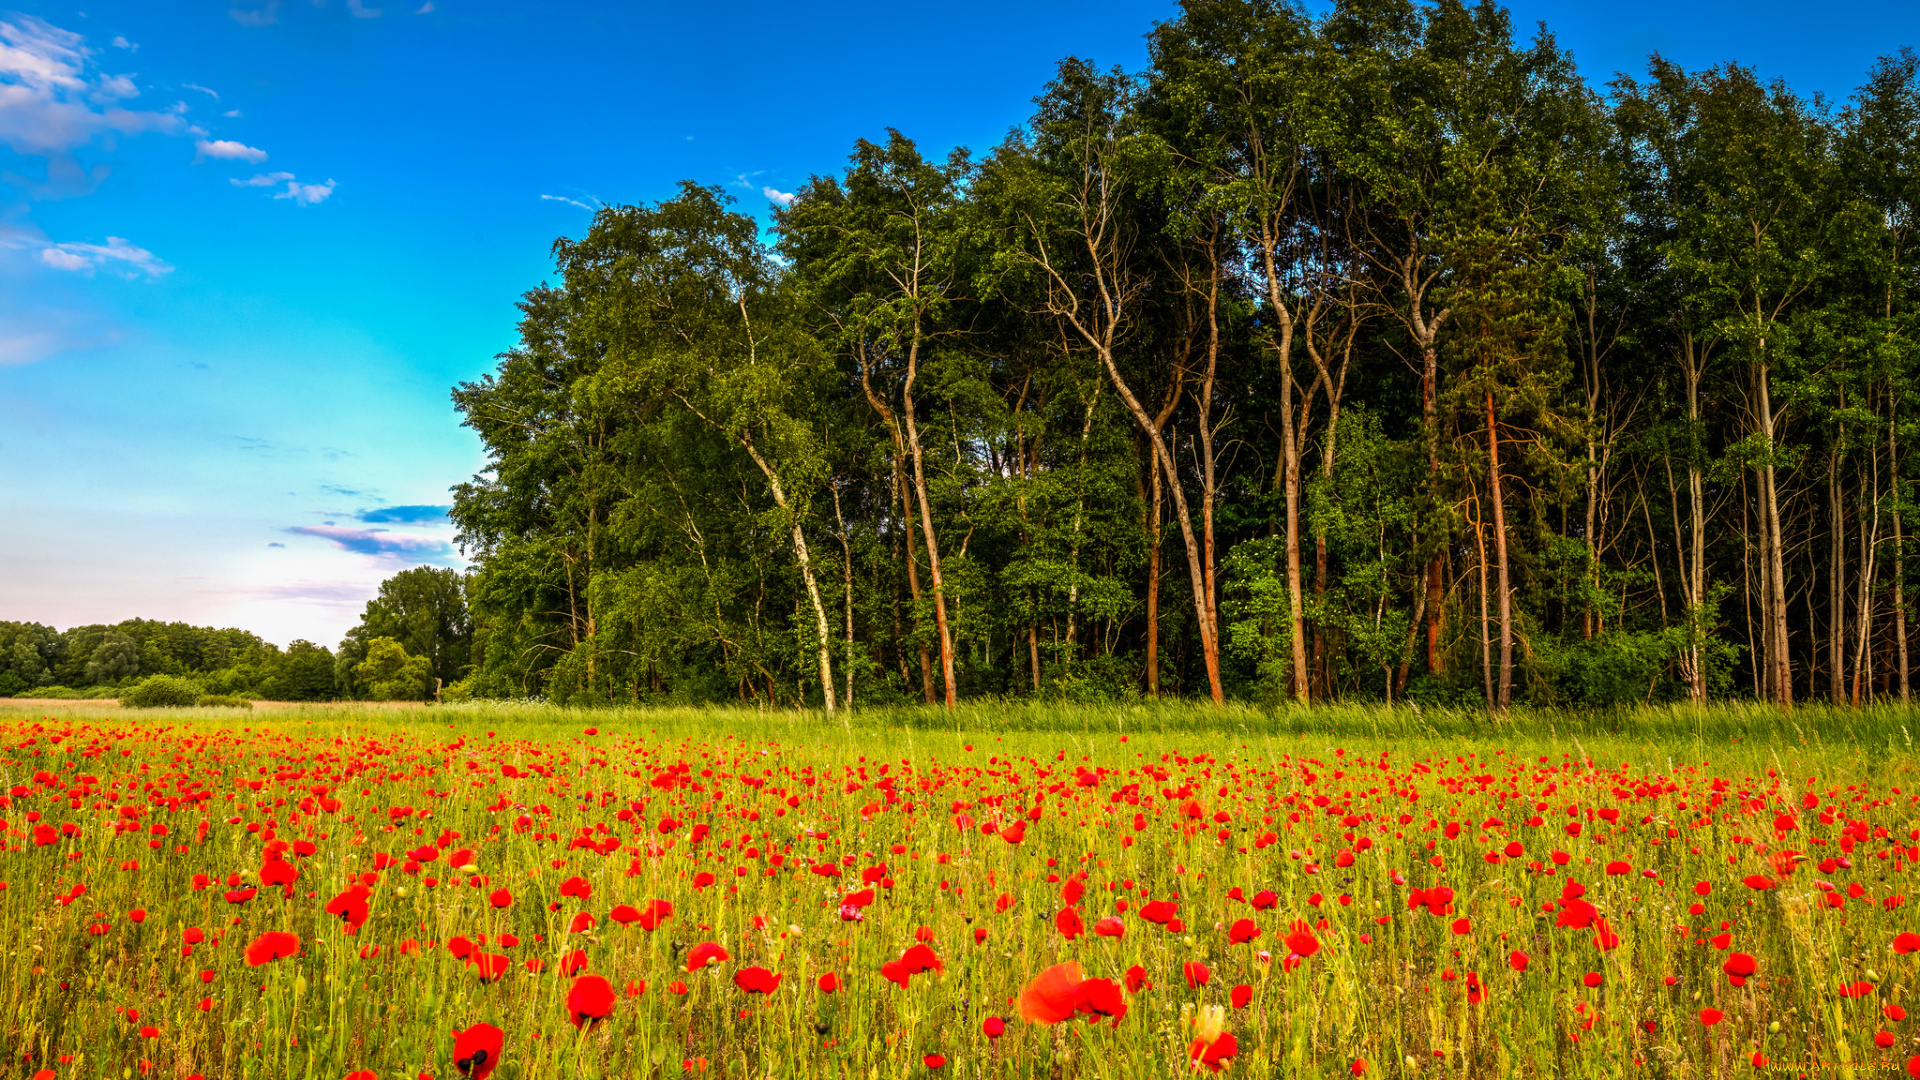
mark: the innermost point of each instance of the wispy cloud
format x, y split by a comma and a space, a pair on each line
361, 11
122, 43
262, 180
227, 149
196, 86
264, 15
569, 202
129, 260
54, 101
405, 515
377, 542
306, 194
424, 9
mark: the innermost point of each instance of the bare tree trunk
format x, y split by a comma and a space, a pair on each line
824, 636
1500, 556
1153, 581
846, 562
926, 522
1781, 683
1836, 580
1899, 565
1486, 635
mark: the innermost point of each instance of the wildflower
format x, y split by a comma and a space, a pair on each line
591, 1000
477, 1050
756, 980
272, 945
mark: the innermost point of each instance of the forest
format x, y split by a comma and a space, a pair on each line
1375, 355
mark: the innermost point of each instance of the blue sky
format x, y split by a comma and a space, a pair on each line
247, 248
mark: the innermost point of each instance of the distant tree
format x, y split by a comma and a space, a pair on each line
115, 658
425, 610
389, 674
304, 673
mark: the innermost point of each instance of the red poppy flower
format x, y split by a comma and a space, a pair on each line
829, 983
351, 907
934, 1061
581, 923
919, 959
1069, 924
1265, 899
657, 912
756, 980
1101, 998
1517, 960
1301, 941
1159, 911
574, 962
706, 953
1894, 1013
624, 914
1053, 995
1575, 913
1196, 974
477, 1050
491, 966
591, 1000
1710, 1017
1906, 943
1110, 927
1213, 1056
1758, 881
1592, 978
1242, 931
500, 898
993, 1027
270, 946
1739, 967
1241, 996
577, 887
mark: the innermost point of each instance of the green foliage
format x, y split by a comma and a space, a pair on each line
222, 701
390, 674
162, 691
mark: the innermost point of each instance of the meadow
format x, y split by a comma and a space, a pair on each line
520, 891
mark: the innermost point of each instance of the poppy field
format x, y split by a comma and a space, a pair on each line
326, 893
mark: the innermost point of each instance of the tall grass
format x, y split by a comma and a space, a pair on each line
1387, 986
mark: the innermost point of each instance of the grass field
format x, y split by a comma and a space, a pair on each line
530, 892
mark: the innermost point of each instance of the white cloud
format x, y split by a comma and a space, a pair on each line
263, 180
228, 149
570, 202
424, 9
116, 255
784, 198
262, 16
231, 114
202, 89
54, 101
122, 43
306, 194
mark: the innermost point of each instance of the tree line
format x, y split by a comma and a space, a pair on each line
1373, 354
413, 638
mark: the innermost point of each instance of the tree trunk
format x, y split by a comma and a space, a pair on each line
824, 636
1836, 580
1500, 557
1899, 566
1780, 683
926, 523
1153, 581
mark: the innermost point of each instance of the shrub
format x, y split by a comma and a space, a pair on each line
223, 701
162, 691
